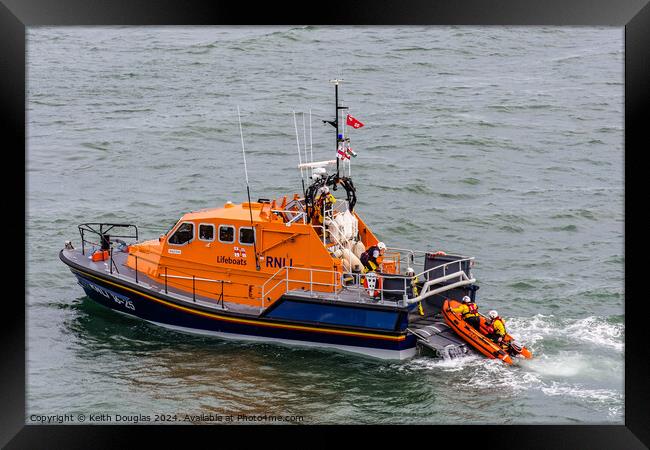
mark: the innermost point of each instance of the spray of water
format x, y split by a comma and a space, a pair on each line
595, 352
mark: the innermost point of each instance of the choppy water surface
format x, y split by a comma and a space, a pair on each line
501, 143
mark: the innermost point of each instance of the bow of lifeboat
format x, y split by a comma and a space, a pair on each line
223, 254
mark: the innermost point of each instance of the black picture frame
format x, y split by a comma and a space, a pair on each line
16, 15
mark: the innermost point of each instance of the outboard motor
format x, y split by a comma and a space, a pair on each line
516, 347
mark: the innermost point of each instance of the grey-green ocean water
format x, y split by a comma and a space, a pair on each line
501, 143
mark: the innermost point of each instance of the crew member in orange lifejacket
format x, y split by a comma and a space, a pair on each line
496, 327
371, 258
469, 311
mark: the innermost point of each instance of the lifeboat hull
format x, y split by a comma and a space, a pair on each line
370, 331
477, 339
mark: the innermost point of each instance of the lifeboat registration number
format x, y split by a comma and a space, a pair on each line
117, 298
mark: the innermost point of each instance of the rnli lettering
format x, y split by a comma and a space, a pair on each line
229, 260
278, 262
174, 251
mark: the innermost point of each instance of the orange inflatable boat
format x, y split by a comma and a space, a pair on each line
478, 339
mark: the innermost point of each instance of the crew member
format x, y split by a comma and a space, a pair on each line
469, 311
410, 273
371, 258
324, 201
496, 327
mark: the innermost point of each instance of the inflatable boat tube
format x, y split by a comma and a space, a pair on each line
478, 340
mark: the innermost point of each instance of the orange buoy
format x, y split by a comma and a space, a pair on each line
100, 255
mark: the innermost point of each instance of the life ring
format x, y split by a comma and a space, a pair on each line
372, 283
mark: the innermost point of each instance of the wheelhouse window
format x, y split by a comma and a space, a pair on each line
227, 234
206, 232
184, 234
246, 236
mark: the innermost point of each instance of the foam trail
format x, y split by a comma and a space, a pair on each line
588, 330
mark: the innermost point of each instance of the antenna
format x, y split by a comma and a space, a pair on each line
311, 142
248, 191
241, 133
304, 139
295, 124
302, 176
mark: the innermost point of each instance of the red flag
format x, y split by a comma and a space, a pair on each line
354, 123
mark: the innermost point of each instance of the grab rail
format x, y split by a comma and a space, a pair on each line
340, 284
444, 266
298, 215
103, 232
166, 276
340, 280
194, 280
286, 281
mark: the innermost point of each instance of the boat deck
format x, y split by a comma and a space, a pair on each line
353, 295
128, 274
347, 294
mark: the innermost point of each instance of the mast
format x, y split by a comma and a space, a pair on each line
336, 120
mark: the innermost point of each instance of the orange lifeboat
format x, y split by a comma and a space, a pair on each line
479, 340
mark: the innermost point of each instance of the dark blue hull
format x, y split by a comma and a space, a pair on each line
298, 321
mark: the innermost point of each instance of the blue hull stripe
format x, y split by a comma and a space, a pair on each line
335, 315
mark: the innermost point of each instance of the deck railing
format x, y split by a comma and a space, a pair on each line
354, 281
310, 281
163, 272
102, 231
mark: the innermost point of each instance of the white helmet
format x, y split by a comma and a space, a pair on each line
493, 314
410, 272
466, 299
381, 246
326, 190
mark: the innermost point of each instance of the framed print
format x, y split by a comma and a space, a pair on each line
379, 215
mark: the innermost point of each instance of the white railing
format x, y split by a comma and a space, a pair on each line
463, 280
265, 292
342, 281
422, 254
444, 266
298, 215
285, 280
